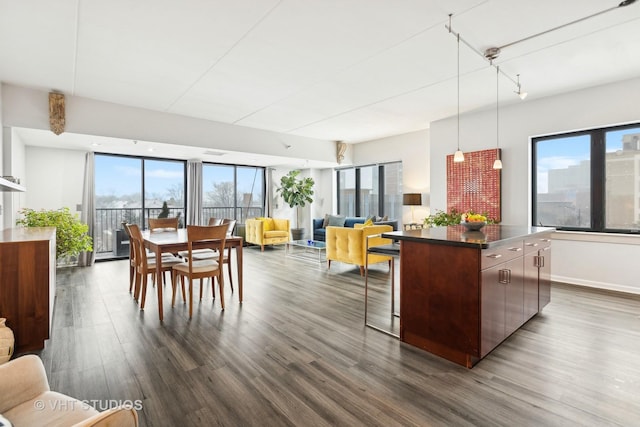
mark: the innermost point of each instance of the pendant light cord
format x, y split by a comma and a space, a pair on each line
458, 91
497, 109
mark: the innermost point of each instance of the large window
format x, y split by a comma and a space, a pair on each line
588, 180
120, 182
370, 190
230, 191
134, 189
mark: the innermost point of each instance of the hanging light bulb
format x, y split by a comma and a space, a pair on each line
458, 157
497, 164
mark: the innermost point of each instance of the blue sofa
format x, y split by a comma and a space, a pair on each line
319, 232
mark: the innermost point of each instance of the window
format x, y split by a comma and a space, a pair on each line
164, 186
588, 180
250, 188
370, 190
120, 182
347, 192
230, 191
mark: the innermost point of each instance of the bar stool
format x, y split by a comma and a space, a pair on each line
392, 250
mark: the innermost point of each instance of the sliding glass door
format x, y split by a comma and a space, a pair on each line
120, 182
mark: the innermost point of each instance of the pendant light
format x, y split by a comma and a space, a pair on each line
458, 157
497, 164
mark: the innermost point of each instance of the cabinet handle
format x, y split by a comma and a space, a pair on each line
494, 256
538, 261
532, 244
545, 240
504, 276
515, 249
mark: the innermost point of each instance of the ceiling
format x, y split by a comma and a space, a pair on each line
350, 70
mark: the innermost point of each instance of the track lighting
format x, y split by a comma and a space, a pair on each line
522, 94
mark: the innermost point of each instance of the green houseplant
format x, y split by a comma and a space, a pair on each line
71, 233
453, 217
296, 192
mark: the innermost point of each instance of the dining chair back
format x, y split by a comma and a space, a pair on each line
163, 224
215, 221
214, 238
231, 225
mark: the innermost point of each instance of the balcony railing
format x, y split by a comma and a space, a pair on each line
109, 236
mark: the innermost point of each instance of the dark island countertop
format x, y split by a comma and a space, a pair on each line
457, 235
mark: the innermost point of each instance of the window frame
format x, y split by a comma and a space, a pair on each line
357, 190
597, 184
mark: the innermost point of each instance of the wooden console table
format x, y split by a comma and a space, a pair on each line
28, 284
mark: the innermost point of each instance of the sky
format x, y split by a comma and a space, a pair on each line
120, 175
562, 152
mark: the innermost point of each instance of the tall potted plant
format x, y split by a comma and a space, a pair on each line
71, 233
296, 192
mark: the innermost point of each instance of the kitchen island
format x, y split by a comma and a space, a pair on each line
464, 292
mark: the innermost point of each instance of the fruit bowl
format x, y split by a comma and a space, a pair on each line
474, 225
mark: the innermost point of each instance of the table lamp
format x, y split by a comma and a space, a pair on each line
412, 199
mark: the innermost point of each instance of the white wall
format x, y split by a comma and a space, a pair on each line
13, 164
413, 150
29, 108
54, 178
282, 210
574, 261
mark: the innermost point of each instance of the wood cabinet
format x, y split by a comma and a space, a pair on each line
27, 284
502, 300
460, 301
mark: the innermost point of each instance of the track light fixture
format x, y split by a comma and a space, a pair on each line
522, 94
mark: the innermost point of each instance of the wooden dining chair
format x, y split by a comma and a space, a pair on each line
132, 260
160, 225
202, 254
145, 265
191, 269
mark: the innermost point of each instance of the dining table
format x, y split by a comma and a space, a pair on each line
173, 241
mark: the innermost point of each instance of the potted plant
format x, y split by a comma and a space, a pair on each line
71, 233
296, 192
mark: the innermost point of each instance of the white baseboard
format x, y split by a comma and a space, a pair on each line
598, 285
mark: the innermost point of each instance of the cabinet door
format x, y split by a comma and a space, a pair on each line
512, 279
530, 285
544, 277
492, 309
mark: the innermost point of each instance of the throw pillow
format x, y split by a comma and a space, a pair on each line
336, 220
326, 221
368, 222
385, 218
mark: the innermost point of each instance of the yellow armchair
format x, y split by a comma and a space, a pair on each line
266, 231
349, 245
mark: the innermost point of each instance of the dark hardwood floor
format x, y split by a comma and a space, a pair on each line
296, 353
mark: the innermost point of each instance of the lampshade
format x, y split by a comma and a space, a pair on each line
412, 199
